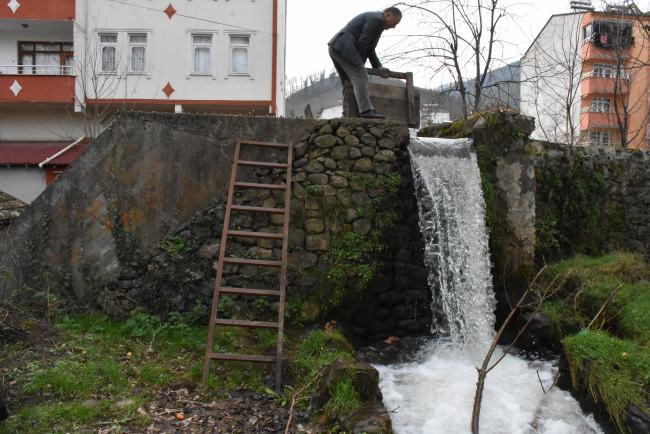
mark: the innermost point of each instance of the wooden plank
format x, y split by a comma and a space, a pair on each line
391, 74
390, 101
261, 186
245, 323
257, 209
263, 164
264, 144
387, 92
260, 262
410, 96
269, 292
243, 357
260, 235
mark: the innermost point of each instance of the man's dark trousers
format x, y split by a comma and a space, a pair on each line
349, 50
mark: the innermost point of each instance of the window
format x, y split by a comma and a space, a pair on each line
239, 51
46, 58
138, 45
201, 54
603, 71
600, 138
602, 105
108, 52
588, 32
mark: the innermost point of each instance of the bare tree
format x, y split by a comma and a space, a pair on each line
458, 38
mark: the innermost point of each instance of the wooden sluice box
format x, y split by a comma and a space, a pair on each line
395, 102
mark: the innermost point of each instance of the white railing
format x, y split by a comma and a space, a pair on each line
37, 70
591, 74
593, 109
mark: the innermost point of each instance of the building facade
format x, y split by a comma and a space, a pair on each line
66, 65
586, 77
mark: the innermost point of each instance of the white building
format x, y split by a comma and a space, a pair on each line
65, 65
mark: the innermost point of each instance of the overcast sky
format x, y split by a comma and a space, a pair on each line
312, 24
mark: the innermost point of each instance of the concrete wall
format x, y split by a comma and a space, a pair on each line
24, 183
41, 123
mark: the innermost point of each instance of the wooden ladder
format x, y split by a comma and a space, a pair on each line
284, 236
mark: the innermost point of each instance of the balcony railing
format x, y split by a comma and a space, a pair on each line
594, 74
37, 70
593, 109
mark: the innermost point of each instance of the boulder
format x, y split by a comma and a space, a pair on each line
326, 141
363, 164
301, 260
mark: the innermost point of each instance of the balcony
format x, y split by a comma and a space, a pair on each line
595, 83
37, 83
38, 10
596, 116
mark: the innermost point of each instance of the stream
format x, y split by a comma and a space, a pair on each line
433, 393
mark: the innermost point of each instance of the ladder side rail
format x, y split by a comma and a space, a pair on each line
283, 272
222, 254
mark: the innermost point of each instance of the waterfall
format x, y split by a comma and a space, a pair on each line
434, 394
452, 221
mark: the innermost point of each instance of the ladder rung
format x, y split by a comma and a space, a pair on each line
262, 164
262, 235
243, 357
257, 209
261, 186
244, 323
250, 291
264, 144
260, 262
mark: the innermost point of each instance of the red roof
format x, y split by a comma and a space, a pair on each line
34, 153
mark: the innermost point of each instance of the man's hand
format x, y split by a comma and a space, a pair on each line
384, 69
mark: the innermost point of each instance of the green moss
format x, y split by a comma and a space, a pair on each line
612, 358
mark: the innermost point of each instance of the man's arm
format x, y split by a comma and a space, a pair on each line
374, 60
370, 31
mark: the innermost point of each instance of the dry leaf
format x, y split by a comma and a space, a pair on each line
180, 416
391, 339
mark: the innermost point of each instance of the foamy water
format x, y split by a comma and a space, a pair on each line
435, 394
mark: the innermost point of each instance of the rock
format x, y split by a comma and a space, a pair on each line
339, 152
317, 152
360, 199
387, 144
351, 140
301, 260
338, 182
377, 132
301, 162
318, 178
125, 284
260, 253
312, 203
390, 299
325, 141
363, 165
127, 305
300, 149
368, 151
277, 219
314, 167
403, 311
314, 226
371, 419
296, 236
637, 420
330, 164
345, 165
375, 192
361, 226
91, 403
185, 235
335, 124
385, 155
344, 196
368, 139
538, 335
208, 251
299, 191
328, 190
342, 132
326, 130
124, 403
318, 242
354, 153
351, 215
299, 177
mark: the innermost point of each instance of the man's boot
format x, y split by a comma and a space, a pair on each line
371, 114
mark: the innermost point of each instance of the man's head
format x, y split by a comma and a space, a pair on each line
392, 16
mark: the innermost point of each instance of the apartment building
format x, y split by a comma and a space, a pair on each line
67, 65
586, 77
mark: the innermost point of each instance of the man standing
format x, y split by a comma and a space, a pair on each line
356, 43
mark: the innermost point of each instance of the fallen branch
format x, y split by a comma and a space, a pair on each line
604, 306
293, 398
540, 383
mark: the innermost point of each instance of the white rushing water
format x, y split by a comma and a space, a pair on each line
435, 393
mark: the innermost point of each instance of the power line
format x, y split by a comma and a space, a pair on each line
193, 18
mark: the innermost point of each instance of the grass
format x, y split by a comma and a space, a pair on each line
612, 358
106, 360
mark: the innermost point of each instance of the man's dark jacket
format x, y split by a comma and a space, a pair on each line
358, 39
